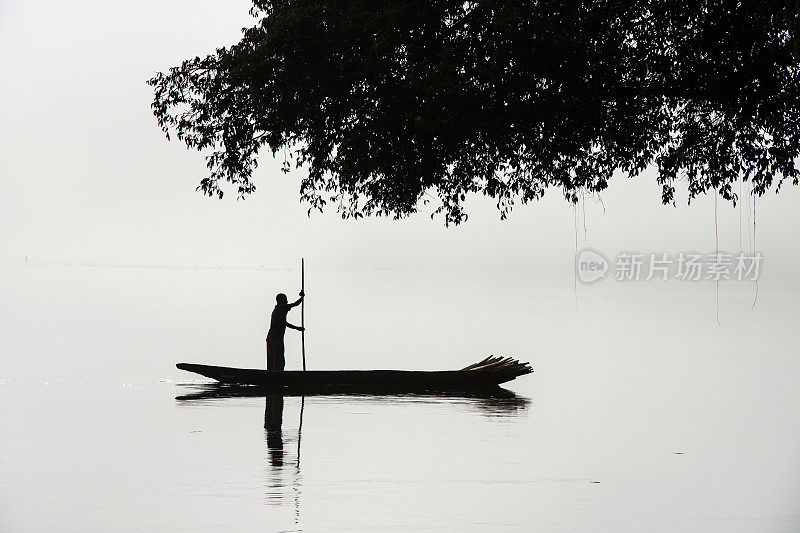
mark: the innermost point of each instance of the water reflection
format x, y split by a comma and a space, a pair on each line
495, 401
273, 424
283, 483
277, 487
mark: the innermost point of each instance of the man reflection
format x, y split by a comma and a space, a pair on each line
273, 419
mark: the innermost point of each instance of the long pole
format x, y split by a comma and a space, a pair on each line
303, 309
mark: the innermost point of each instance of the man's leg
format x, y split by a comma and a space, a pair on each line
280, 359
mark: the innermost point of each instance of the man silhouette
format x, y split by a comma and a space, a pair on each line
277, 327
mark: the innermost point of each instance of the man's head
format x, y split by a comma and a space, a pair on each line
281, 299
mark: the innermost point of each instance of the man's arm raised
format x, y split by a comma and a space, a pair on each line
299, 300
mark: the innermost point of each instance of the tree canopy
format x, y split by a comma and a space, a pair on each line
389, 104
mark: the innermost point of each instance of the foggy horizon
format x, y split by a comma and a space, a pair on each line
89, 177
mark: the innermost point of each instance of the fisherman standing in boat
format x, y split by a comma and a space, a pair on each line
277, 327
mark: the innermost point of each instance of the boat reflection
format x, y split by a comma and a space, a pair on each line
495, 401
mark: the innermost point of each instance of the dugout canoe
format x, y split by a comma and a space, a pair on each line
490, 372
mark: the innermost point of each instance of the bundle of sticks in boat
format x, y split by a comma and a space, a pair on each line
501, 364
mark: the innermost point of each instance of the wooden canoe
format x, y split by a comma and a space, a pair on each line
490, 372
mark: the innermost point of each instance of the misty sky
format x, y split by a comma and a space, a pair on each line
87, 176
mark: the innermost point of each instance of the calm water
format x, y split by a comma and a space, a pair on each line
643, 414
